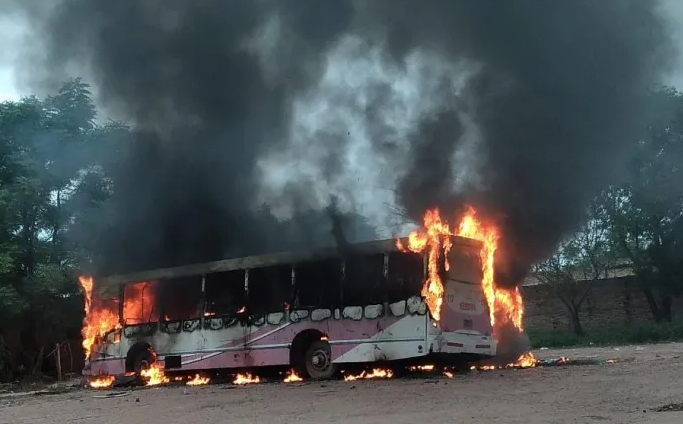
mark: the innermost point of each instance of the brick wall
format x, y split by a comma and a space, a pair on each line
611, 302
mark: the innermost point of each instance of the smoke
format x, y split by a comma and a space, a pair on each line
524, 109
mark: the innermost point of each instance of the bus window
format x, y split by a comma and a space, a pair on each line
317, 284
364, 282
269, 288
140, 303
181, 298
406, 275
225, 293
465, 265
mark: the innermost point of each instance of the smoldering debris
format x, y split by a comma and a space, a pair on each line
524, 109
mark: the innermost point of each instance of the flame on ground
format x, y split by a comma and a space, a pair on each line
246, 378
526, 360
375, 373
448, 374
154, 375
421, 368
198, 380
102, 381
292, 377
434, 238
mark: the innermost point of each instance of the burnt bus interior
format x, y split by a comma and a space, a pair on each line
329, 283
357, 279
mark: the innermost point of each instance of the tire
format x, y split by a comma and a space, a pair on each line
142, 361
318, 361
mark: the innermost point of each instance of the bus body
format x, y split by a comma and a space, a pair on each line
373, 313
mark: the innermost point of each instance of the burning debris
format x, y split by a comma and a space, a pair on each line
154, 375
375, 373
198, 380
102, 382
246, 378
292, 377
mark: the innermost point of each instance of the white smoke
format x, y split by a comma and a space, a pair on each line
360, 116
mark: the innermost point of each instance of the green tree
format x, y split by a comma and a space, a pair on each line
646, 213
580, 260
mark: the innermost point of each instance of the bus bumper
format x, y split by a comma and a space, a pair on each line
459, 343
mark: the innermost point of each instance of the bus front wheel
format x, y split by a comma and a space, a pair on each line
318, 361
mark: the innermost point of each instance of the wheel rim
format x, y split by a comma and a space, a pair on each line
320, 360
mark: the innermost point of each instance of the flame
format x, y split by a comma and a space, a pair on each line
421, 368
435, 238
448, 374
99, 318
526, 360
139, 304
198, 380
102, 381
505, 305
242, 310
154, 375
292, 377
246, 378
375, 373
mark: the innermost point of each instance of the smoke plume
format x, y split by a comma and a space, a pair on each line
524, 109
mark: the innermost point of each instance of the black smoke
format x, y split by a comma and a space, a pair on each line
559, 96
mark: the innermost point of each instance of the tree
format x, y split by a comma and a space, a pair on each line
44, 154
580, 260
646, 212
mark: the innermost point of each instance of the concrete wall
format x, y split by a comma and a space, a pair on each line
611, 302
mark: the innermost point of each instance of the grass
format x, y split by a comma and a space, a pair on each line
633, 334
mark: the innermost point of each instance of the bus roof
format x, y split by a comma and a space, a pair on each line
260, 261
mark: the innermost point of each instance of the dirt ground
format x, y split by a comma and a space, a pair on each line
643, 379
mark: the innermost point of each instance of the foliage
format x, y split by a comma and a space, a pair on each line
580, 260
622, 335
646, 212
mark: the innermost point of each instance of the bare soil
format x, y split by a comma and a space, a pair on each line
644, 385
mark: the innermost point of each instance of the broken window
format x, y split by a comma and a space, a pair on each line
465, 265
140, 303
318, 283
364, 282
225, 293
270, 289
406, 275
181, 298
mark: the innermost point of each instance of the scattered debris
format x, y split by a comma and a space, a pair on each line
111, 395
672, 407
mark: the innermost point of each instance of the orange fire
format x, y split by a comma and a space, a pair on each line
375, 373
421, 368
154, 375
99, 317
102, 381
102, 316
198, 380
505, 305
246, 378
448, 374
292, 377
527, 360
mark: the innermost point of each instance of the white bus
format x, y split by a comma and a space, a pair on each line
308, 310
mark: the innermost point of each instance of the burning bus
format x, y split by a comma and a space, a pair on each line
309, 310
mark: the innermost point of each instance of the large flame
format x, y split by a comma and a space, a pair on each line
505, 305
100, 318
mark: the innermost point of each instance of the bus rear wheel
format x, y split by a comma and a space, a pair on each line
318, 361
143, 361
